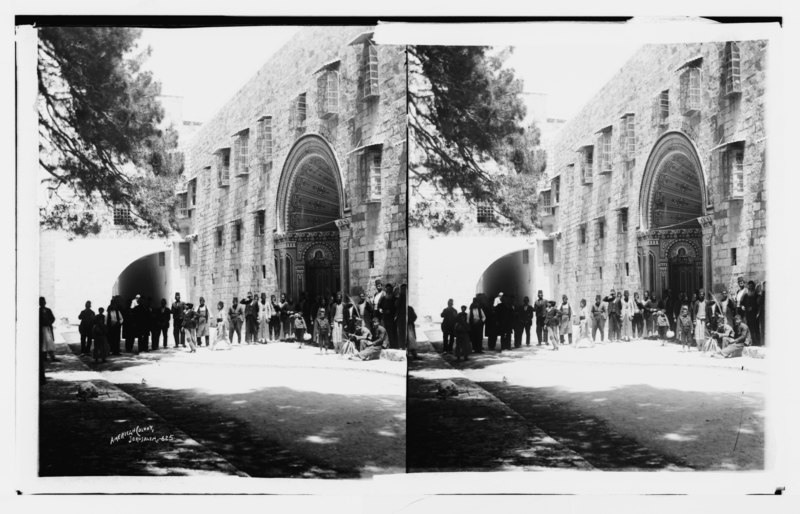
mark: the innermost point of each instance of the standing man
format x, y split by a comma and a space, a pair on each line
648, 308
203, 317
505, 323
388, 309
476, 320
598, 318
364, 308
540, 309
740, 293
376, 300
498, 299
114, 325
614, 310
336, 319
448, 326
178, 308
749, 309
527, 318
283, 315
85, 328
235, 320
251, 318
162, 315
264, 315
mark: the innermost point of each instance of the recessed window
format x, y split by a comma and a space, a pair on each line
627, 269
628, 137
371, 259
370, 172
601, 229
264, 139
183, 205
369, 56
122, 215
733, 256
162, 259
604, 149
601, 273
328, 94
732, 69
485, 212
661, 108
732, 163
263, 271
260, 222
582, 233
623, 220
300, 111
242, 164
548, 249
545, 203
223, 166
236, 274
690, 89
525, 257
586, 161
219, 236
184, 258
237, 231
556, 188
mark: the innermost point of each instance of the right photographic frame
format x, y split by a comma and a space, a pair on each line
588, 251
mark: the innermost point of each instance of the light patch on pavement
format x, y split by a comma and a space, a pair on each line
678, 437
322, 440
386, 433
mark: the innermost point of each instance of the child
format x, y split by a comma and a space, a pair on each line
552, 322
684, 328
663, 325
322, 332
583, 330
190, 327
299, 329
222, 327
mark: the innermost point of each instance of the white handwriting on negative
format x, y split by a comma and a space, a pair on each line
140, 435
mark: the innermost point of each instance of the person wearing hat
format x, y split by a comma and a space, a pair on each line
527, 319
142, 315
300, 328
540, 310
376, 300
203, 316
598, 318
614, 308
235, 319
85, 328
190, 327
733, 346
178, 308
448, 324
498, 299
626, 316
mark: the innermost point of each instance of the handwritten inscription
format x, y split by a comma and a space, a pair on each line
140, 434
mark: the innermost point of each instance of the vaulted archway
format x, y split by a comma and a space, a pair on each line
673, 252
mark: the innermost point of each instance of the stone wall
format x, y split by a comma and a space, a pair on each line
734, 223
374, 226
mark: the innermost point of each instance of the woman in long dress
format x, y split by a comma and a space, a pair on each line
47, 341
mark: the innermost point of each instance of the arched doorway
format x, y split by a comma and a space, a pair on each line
511, 274
672, 209
148, 276
309, 205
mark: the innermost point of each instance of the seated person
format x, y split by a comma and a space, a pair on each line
372, 349
733, 346
723, 330
361, 335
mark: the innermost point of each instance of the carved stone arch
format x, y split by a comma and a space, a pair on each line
674, 185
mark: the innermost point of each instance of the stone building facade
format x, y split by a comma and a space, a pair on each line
659, 182
298, 184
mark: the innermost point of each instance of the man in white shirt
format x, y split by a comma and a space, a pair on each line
376, 300
265, 312
498, 300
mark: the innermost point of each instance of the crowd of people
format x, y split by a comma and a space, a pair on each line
358, 329
721, 324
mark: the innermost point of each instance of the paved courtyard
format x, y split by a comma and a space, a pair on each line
261, 410
618, 406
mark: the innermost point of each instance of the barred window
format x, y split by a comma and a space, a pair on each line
183, 205
328, 94
370, 69
663, 107
370, 172
604, 147
122, 215
485, 212
733, 169
545, 203
732, 69
586, 159
628, 137
242, 164
220, 233
690, 90
556, 186
300, 108
260, 222
582, 233
223, 166
264, 139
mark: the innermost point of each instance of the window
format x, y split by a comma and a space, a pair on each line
263, 271
260, 222
690, 89
732, 69
191, 189
525, 257
185, 256
236, 274
661, 109
627, 269
371, 259
628, 137
545, 203
370, 164
241, 163
223, 166
733, 256
586, 160
485, 212
601, 228
601, 272
370, 69
297, 118
237, 231
183, 205
219, 236
733, 169
556, 187
604, 148
328, 94
122, 215
264, 139
582, 233
548, 248
162, 259
623, 220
